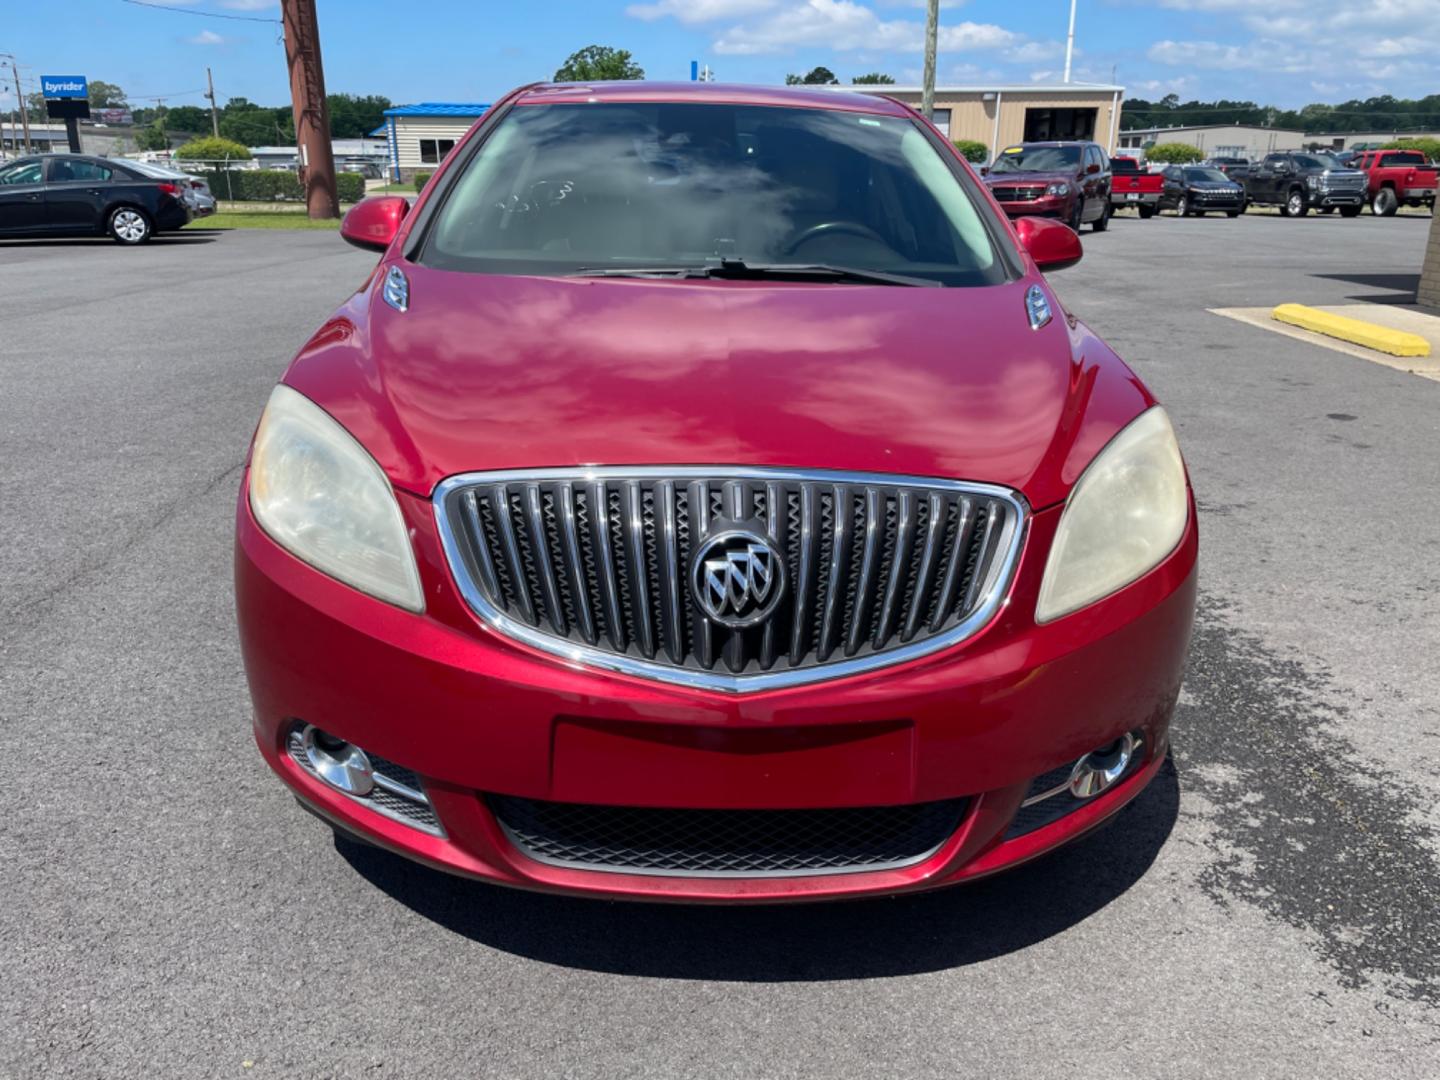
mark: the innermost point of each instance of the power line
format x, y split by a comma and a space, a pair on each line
202, 14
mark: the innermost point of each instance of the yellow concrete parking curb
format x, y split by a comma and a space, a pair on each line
1372, 336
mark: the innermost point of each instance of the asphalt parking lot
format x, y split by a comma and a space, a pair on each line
1266, 909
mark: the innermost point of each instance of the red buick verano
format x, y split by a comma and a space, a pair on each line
706, 498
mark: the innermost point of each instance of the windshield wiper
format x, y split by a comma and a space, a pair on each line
732, 269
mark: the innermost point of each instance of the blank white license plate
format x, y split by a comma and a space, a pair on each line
1134, 196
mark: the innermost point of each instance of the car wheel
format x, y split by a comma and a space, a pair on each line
1385, 203
1102, 222
1294, 205
1233, 213
1350, 211
129, 226
1147, 212
1182, 206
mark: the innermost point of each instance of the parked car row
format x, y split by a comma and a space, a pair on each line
1079, 183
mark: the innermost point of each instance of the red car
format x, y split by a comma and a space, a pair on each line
1066, 180
707, 498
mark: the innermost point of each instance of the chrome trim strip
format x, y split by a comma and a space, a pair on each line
501, 504
575, 565
874, 523
609, 589
540, 550
839, 557
470, 505
899, 567
934, 537
405, 791
802, 583
1010, 541
632, 510
671, 579
964, 525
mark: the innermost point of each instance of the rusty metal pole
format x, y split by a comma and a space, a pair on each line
312, 118
927, 89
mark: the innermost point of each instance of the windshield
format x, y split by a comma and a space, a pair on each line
566, 188
1201, 175
1037, 159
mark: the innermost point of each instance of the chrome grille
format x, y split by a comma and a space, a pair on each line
1017, 194
726, 843
596, 566
1344, 181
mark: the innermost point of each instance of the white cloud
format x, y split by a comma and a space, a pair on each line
698, 11
205, 37
844, 25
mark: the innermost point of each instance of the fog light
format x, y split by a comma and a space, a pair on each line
1099, 769
340, 764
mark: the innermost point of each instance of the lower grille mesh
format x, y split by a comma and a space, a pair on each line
726, 843
394, 799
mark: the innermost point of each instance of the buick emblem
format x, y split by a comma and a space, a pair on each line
737, 578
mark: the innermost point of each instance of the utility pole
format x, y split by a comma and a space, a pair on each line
932, 32
214, 116
312, 118
1070, 41
20, 101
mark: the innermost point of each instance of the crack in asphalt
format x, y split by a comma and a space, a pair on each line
15, 618
1303, 826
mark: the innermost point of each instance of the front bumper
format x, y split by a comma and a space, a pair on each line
475, 714
1336, 198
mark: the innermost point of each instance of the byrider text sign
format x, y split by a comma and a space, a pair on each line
53, 87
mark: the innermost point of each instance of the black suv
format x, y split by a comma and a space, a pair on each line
1296, 181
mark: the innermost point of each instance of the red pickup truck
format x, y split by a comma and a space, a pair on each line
1395, 177
1132, 186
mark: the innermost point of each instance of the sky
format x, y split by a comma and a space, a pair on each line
1282, 52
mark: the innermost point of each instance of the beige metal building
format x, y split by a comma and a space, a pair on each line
1217, 140
1350, 139
999, 116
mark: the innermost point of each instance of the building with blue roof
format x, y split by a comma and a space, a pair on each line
419, 136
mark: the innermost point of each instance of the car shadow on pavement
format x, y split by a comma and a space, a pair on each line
777, 943
1401, 287
189, 238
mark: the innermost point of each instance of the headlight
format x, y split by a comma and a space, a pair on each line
1060, 188
1315, 181
1126, 513
318, 494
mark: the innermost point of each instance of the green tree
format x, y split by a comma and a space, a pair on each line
190, 118
213, 149
354, 117
152, 136
875, 78
1175, 153
599, 63
818, 76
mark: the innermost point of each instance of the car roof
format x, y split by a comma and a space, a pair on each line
712, 93
1059, 142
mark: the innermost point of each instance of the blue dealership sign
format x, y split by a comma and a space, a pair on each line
64, 86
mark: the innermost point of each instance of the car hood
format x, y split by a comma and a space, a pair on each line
498, 372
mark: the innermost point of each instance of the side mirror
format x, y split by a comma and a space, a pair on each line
1092, 170
372, 223
1052, 244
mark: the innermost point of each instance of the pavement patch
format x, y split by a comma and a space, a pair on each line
1306, 828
